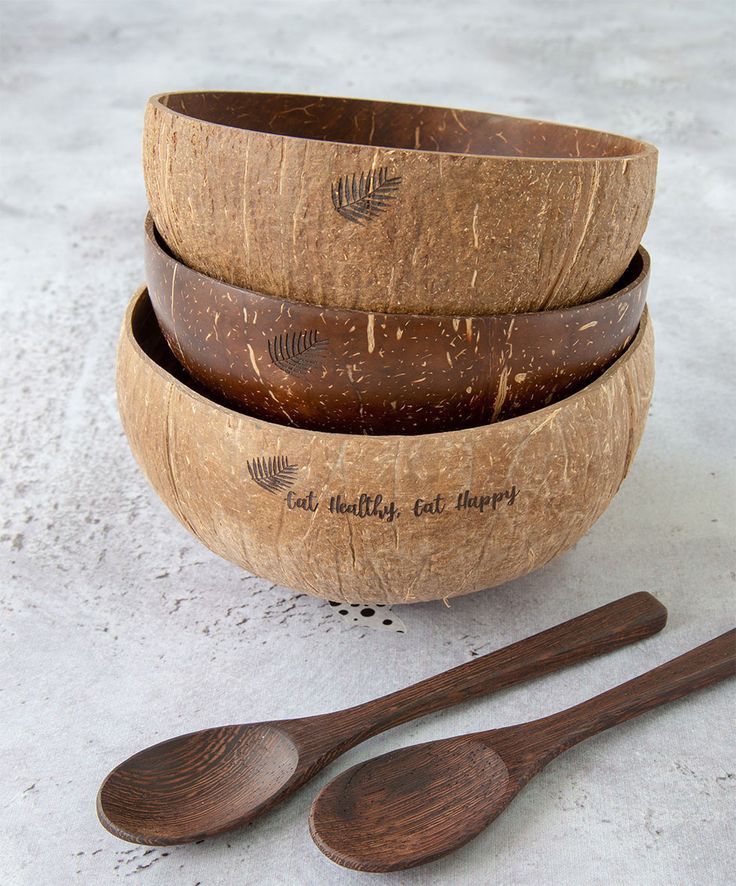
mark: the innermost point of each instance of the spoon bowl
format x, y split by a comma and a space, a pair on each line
197, 784
438, 794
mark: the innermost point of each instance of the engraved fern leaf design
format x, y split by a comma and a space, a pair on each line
359, 199
297, 352
274, 474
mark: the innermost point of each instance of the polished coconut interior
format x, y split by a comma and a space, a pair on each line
392, 125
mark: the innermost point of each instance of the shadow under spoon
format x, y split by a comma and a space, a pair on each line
416, 804
218, 779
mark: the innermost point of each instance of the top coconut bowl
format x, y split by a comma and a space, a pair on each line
392, 207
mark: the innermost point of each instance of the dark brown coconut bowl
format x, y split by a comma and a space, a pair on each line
393, 207
380, 519
371, 373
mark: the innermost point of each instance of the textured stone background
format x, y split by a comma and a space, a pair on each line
117, 629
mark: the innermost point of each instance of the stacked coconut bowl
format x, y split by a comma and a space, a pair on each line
386, 353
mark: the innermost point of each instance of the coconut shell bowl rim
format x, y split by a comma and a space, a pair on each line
643, 148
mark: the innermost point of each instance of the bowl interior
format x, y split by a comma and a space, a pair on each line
395, 125
149, 338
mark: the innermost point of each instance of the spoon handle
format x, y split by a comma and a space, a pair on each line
702, 666
609, 627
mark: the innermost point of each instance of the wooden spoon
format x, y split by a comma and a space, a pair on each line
416, 804
217, 779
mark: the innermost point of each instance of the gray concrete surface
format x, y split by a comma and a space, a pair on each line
117, 629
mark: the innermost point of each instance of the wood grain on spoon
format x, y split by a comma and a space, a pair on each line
217, 779
416, 804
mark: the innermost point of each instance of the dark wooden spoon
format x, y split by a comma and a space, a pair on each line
212, 781
416, 804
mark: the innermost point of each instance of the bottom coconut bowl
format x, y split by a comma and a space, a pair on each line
380, 519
